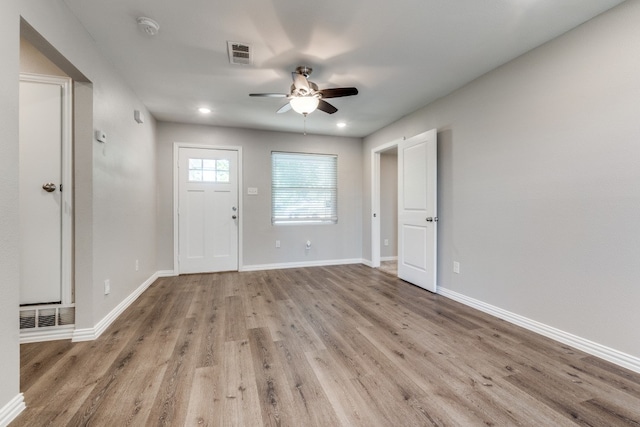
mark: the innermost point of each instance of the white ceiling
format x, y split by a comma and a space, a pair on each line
401, 55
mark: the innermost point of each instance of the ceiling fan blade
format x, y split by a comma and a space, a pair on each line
300, 82
286, 107
270, 95
338, 92
326, 107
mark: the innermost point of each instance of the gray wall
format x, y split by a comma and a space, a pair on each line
9, 243
329, 242
34, 61
114, 182
539, 182
389, 203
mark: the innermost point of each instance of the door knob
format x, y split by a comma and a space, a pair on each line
233, 217
234, 209
49, 187
429, 219
432, 219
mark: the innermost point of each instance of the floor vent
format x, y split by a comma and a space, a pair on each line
239, 53
46, 316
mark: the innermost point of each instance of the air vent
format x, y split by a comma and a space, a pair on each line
239, 53
46, 316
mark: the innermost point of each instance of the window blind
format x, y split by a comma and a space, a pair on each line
304, 188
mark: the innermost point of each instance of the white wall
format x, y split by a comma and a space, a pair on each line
115, 182
539, 182
329, 242
9, 243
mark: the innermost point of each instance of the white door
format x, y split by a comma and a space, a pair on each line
207, 210
417, 210
41, 200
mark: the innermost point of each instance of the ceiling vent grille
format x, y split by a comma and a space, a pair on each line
239, 53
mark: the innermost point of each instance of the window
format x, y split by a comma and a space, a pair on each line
208, 170
304, 188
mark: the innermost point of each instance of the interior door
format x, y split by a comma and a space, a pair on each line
207, 210
417, 210
41, 200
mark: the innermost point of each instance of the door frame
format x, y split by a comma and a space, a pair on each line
375, 198
67, 214
176, 190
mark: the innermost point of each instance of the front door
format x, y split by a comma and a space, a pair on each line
417, 213
45, 210
207, 210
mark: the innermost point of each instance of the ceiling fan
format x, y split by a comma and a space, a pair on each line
305, 97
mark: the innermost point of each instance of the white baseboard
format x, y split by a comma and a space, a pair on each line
590, 347
166, 273
90, 334
322, 263
47, 334
389, 258
11, 410
367, 262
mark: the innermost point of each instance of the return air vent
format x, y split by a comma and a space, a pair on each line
239, 53
34, 317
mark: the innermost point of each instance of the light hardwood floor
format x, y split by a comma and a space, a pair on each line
332, 346
389, 267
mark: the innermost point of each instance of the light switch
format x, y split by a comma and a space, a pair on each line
252, 191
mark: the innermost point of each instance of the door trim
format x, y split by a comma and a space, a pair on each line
66, 254
176, 187
375, 199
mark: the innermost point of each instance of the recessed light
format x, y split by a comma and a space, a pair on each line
341, 124
204, 110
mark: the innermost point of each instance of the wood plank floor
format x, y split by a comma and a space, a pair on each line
332, 346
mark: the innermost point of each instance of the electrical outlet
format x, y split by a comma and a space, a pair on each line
277, 243
107, 287
137, 265
456, 267
386, 242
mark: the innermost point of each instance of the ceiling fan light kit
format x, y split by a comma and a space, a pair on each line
304, 104
305, 97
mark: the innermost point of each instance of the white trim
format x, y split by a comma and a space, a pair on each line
590, 347
176, 148
389, 258
47, 334
322, 263
166, 273
90, 334
11, 410
66, 251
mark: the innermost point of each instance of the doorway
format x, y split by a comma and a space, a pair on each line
389, 211
416, 207
45, 162
208, 212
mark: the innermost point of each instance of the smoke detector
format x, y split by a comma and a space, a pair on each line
148, 25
